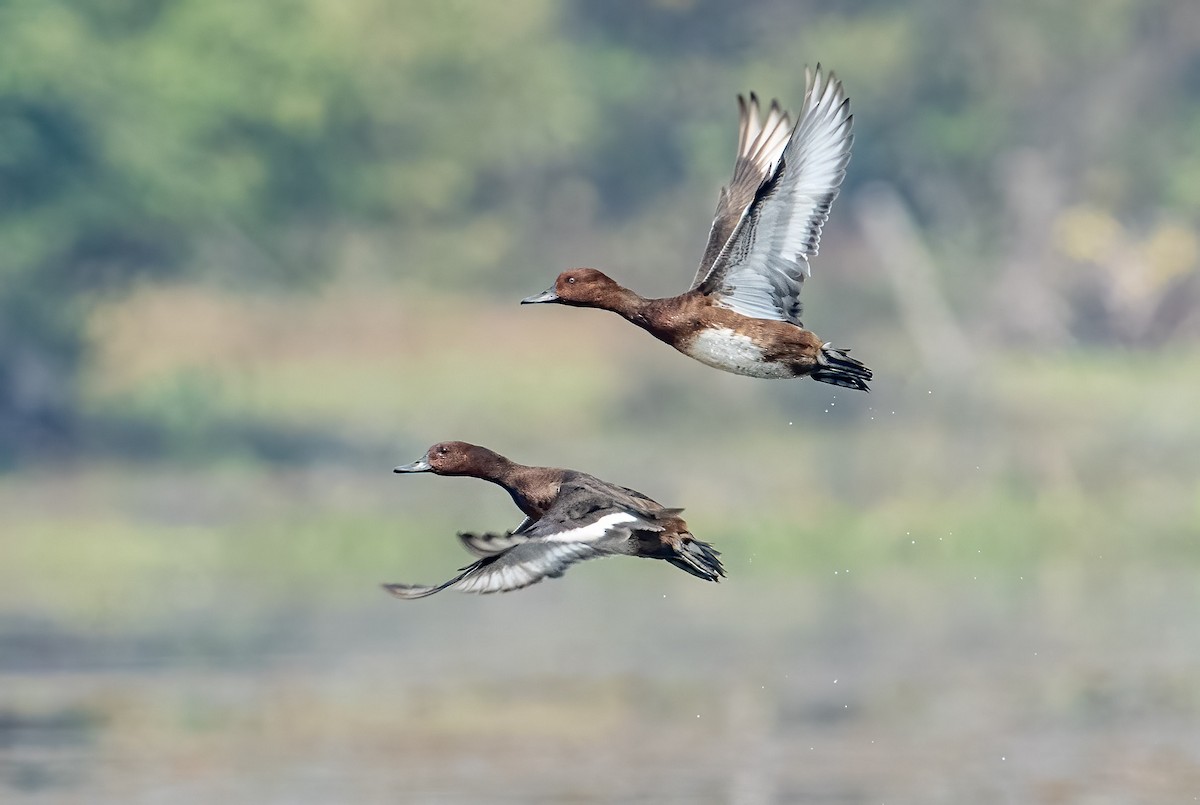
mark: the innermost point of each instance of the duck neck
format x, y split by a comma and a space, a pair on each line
490, 466
518, 480
627, 304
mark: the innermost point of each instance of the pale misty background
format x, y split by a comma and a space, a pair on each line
256, 254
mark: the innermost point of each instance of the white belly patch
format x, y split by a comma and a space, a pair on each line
734, 352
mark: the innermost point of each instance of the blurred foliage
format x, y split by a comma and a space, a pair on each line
152, 138
468, 145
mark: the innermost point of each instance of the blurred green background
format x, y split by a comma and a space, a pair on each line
252, 255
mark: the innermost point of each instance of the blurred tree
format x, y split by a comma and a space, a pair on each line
452, 143
126, 130
141, 138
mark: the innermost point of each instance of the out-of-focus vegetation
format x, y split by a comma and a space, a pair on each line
255, 254
263, 236
1046, 155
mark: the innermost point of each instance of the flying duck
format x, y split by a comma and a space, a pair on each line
742, 313
569, 517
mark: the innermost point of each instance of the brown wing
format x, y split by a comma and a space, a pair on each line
760, 142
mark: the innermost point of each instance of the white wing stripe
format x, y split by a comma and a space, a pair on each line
554, 559
768, 256
593, 531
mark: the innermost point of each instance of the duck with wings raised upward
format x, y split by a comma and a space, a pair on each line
569, 517
742, 313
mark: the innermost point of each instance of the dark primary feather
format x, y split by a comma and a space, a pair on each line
760, 143
761, 267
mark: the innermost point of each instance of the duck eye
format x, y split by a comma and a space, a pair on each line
571, 280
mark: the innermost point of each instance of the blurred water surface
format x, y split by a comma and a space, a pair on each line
890, 688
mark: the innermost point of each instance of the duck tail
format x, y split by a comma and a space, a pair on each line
698, 558
837, 367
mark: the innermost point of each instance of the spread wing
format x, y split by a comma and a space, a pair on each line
517, 567
760, 142
761, 268
579, 526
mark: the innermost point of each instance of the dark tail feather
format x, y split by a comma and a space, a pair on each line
699, 559
837, 367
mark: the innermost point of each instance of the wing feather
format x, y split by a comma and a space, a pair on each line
760, 143
761, 268
481, 545
547, 552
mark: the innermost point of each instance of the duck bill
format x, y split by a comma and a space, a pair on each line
547, 295
420, 465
